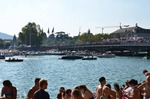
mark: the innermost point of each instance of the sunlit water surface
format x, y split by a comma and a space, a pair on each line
70, 73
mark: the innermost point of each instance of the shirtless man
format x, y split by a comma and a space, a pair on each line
99, 88
145, 88
33, 89
146, 73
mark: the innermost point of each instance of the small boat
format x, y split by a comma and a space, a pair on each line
72, 56
89, 57
2, 56
106, 55
13, 60
146, 57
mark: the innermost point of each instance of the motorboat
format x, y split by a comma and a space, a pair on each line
13, 60
146, 57
72, 56
106, 55
89, 57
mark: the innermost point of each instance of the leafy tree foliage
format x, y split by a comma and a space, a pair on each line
32, 35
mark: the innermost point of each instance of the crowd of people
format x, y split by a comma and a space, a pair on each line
130, 90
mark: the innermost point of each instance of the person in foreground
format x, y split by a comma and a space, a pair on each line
8, 90
87, 94
33, 89
99, 88
145, 88
41, 93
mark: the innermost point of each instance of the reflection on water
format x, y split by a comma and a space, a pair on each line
69, 73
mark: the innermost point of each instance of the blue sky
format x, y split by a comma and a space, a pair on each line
69, 15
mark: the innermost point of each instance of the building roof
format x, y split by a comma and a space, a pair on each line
135, 29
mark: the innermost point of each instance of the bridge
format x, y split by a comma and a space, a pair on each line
130, 46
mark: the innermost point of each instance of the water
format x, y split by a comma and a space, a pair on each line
69, 73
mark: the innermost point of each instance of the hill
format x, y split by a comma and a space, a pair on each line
5, 36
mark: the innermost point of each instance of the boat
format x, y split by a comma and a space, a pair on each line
13, 60
89, 58
106, 55
72, 56
146, 57
2, 56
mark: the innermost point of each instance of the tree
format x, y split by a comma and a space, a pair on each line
14, 42
31, 35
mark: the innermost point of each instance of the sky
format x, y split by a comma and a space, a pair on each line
71, 16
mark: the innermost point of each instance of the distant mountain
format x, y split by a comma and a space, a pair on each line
5, 36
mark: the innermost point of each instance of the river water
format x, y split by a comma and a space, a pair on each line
70, 73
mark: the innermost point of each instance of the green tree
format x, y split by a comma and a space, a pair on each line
31, 35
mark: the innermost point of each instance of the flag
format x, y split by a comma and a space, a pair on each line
48, 31
89, 31
53, 30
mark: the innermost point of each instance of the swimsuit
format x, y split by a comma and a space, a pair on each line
11, 94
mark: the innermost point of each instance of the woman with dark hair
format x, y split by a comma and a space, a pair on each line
87, 94
68, 94
119, 93
76, 94
8, 90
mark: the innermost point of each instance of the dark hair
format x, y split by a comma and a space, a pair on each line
77, 87
7, 83
83, 87
62, 88
108, 85
68, 92
101, 79
37, 80
77, 93
59, 96
144, 71
133, 82
117, 86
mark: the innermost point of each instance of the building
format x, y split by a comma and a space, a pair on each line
130, 34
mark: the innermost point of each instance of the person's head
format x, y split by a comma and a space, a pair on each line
59, 96
145, 71
77, 87
62, 90
68, 93
83, 88
116, 87
36, 81
108, 85
43, 84
7, 83
148, 79
102, 80
133, 82
76, 94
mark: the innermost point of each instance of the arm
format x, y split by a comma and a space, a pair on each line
120, 94
141, 87
2, 91
134, 94
30, 94
15, 92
